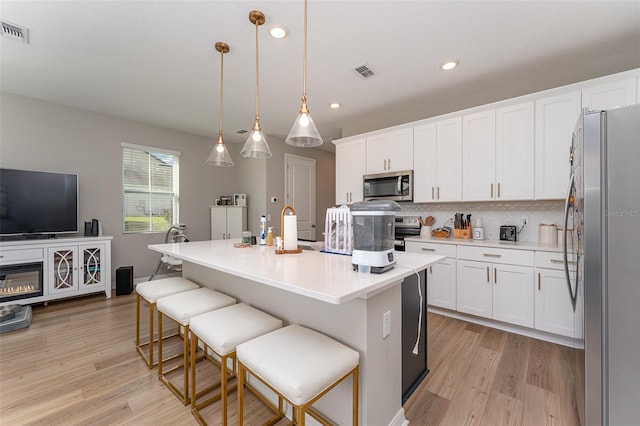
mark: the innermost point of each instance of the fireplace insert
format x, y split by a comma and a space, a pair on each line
20, 281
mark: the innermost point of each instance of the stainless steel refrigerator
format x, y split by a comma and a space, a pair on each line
602, 263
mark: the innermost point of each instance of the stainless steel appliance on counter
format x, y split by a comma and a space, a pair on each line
601, 262
406, 226
395, 186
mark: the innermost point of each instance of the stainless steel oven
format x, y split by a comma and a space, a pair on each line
406, 226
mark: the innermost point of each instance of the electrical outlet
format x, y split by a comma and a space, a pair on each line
386, 324
524, 220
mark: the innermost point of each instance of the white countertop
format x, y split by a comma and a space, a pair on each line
518, 245
322, 276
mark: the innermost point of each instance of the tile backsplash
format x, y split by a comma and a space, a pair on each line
494, 214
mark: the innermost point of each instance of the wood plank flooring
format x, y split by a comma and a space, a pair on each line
77, 364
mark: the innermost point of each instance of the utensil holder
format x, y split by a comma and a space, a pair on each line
425, 232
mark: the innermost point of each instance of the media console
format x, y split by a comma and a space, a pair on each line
33, 271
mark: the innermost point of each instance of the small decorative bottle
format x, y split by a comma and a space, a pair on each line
270, 236
263, 230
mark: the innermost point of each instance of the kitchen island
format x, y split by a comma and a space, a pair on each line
320, 291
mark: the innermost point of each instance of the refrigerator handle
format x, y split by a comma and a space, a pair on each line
567, 205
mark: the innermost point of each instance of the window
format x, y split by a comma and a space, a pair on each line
149, 188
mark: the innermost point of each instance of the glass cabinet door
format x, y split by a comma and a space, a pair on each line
90, 271
63, 270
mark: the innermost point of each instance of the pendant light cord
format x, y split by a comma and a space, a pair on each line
304, 57
257, 83
221, 91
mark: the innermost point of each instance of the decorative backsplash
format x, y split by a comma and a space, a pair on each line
494, 214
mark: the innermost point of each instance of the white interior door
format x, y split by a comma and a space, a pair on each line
300, 192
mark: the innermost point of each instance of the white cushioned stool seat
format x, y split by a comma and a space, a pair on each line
297, 361
221, 331
150, 292
181, 307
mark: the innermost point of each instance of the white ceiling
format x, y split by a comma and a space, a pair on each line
154, 61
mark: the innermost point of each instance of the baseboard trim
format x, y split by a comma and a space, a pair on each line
399, 419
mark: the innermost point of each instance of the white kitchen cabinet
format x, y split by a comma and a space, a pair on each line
501, 289
610, 95
479, 156
556, 118
553, 308
438, 166
390, 151
441, 277
350, 167
515, 152
228, 222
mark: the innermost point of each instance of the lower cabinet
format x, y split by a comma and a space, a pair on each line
77, 269
228, 222
441, 279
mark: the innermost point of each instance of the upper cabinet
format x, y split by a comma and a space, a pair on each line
350, 167
556, 118
390, 151
611, 95
498, 147
437, 148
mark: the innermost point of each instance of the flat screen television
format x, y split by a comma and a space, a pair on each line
38, 203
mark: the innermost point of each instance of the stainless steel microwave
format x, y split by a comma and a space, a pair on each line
397, 186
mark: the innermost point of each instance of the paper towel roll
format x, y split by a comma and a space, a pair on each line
290, 232
548, 234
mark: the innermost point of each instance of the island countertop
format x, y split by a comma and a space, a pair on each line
323, 276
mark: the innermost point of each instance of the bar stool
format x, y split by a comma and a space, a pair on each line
180, 308
221, 331
299, 365
150, 292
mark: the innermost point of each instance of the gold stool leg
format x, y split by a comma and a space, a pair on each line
240, 387
159, 344
151, 310
355, 395
194, 348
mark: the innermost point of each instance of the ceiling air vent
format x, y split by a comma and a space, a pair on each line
15, 32
241, 131
364, 71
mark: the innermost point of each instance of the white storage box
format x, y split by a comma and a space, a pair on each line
338, 230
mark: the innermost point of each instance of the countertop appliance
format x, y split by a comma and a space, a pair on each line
373, 234
508, 233
414, 332
395, 186
601, 262
406, 226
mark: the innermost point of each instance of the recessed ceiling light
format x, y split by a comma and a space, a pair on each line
449, 65
334, 105
278, 31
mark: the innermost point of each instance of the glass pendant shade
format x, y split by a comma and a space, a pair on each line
220, 154
304, 133
256, 145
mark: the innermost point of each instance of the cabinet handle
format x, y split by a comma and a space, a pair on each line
495, 276
538, 280
427, 249
491, 190
438, 193
498, 189
491, 255
389, 164
561, 261
488, 274
224, 236
431, 269
432, 189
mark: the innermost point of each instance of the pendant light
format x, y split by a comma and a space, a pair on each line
256, 145
304, 132
220, 154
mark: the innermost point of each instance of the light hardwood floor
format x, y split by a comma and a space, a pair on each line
77, 364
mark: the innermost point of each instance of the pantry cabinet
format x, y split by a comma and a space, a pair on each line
554, 311
390, 151
610, 95
441, 277
556, 117
438, 166
350, 167
228, 222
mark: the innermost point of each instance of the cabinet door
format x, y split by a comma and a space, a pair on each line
442, 284
611, 95
553, 309
449, 160
218, 223
400, 150
515, 152
377, 154
474, 288
513, 294
236, 221
479, 156
91, 273
556, 118
426, 164
357, 167
63, 270
343, 171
